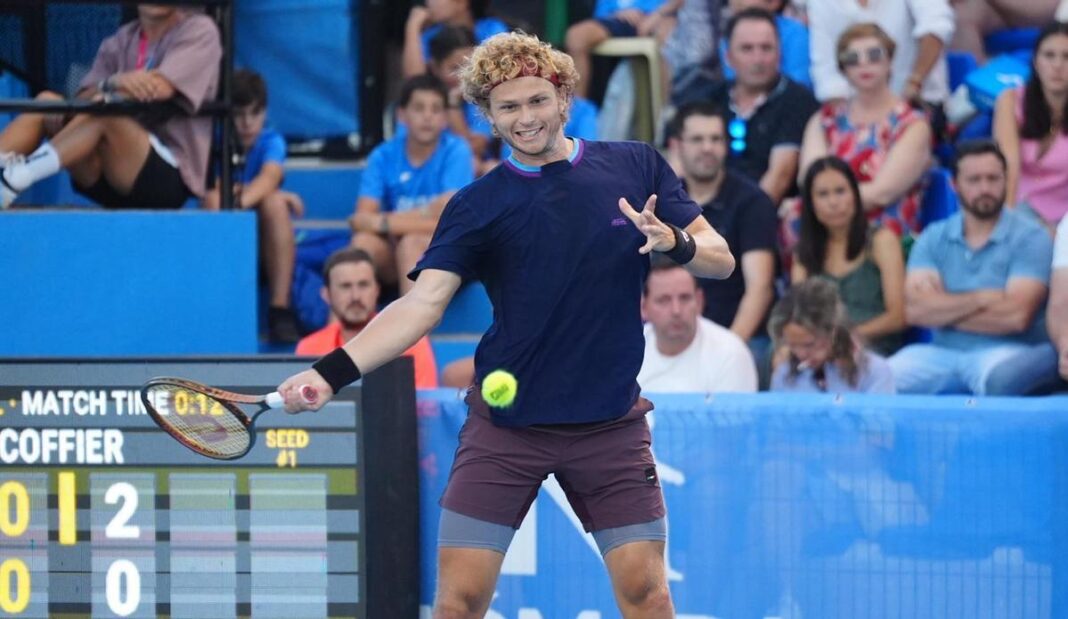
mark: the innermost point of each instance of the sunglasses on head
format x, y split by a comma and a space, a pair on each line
737, 130
852, 58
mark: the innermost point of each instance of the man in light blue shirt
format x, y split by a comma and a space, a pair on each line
979, 281
408, 180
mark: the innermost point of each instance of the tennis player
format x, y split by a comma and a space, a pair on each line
553, 235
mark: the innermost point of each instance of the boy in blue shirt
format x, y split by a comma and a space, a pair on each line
563, 255
258, 186
408, 180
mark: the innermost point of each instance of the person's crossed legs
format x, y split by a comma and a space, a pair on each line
926, 368
91, 148
1015, 369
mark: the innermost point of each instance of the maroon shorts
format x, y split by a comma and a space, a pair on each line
605, 468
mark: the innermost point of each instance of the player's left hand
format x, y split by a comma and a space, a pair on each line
658, 236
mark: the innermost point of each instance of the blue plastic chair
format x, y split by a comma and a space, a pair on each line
1010, 40
939, 199
960, 64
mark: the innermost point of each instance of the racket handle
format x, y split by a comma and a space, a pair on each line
307, 393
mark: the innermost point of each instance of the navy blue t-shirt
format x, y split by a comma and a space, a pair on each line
561, 266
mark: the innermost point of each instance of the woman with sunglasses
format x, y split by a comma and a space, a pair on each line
810, 328
884, 139
837, 245
920, 28
1031, 127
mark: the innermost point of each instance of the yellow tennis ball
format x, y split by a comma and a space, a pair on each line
498, 388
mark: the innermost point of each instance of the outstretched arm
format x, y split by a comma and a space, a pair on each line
393, 331
712, 257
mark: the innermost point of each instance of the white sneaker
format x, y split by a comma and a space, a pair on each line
7, 192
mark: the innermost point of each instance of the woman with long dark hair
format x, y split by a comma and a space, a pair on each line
1031, 127
835, 244
810, 325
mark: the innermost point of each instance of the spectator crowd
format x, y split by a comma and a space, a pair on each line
809, 133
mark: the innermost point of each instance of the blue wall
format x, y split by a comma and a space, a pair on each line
307, 52
818, 507
94, 283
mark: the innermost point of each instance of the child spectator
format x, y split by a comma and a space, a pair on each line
407, 182
258, 186
810, 326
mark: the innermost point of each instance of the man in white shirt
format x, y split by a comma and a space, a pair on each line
683, 351
1057, 310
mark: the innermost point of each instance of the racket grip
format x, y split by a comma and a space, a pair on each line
309, 394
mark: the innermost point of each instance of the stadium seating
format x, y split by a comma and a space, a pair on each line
939, 199
645, 60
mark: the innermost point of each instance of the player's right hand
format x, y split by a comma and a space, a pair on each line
296, 399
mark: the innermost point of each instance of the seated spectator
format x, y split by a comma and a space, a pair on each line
408, 180
611, 18
448, 48
920, 31
683, 351
836, 245
810, 326
978, 18
690, 46
767, 110
1057, 315
793, 37
258, 186
978, 280
425, 21
351, 291
168, 56
1031, 127
740, 212
883, 138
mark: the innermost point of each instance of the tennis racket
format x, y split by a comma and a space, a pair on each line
209, 420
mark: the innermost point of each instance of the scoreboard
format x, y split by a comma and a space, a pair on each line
104, 515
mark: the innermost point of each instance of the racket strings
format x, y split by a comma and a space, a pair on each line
199, 420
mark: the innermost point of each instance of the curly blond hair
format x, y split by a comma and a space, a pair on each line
509, 55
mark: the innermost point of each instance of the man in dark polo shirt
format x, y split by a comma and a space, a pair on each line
563, 254
767, 111
740, 212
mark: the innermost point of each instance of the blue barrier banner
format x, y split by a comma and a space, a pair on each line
94, 283
811, 507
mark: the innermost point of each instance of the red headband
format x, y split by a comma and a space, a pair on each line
528, 69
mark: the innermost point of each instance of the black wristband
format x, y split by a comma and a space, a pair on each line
685, 245
337, 369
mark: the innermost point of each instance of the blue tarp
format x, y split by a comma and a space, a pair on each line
821, 506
